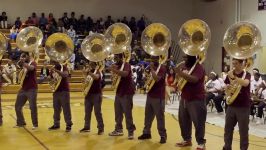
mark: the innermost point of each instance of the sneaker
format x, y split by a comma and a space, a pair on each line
183, 144
84, 130
163, 140
68, 128
144, 136
34, 128
130, 135
116, 133
201, 147
259, 121
54, 127
100, 132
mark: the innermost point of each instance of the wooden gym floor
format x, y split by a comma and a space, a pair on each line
25, 138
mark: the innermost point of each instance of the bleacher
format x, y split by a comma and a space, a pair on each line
75, 80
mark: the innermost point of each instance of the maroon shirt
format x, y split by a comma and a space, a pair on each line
158, 89
194, 91
30, 81
64, 85
96, 85
243, 98
126, 85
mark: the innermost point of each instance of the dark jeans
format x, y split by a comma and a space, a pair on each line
22, 97
233, 116
192, 111
62, 100
155, 107
124, 105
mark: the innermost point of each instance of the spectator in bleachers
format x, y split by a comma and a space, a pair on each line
9, 72
50, 29
141, 25
170, 61
133, 25
125, 20
81, 24
254, 71
225, 72
51, 19
29, 22
170, 84
140, 78
71, 33
44, 73
89, 24
212, 87
72, 62
133, 59
15, 54
60, 26
35, 19
13, 33
108, 22
255, 83
18, 23
259, 98
43, 21
73, 21
65, 20
3, 20
118, 20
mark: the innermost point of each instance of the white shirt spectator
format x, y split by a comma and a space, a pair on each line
71, 33
254, 85
213, 86
9, 69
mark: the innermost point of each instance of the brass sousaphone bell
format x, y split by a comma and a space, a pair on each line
28, 40
193, 38
93, 48
156, 40
59, 47
118, 38
241, 41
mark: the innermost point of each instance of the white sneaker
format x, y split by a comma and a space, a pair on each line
259, 121
34, 128
201, 147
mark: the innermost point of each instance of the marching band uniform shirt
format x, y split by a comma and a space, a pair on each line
194, 91
64, 85
126, 85
96, 85
243, 99
158, 89
30, 81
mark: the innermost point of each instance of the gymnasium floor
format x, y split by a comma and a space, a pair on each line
25, 138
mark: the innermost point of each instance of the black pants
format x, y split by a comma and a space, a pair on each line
124, 105
93, 101
62, 100
218, 102
233, 116
22, 97
192, 111
155, 107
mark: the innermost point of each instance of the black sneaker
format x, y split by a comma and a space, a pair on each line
144, 136
100, 132
163, 140
84, 130
54, 127
68, 128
